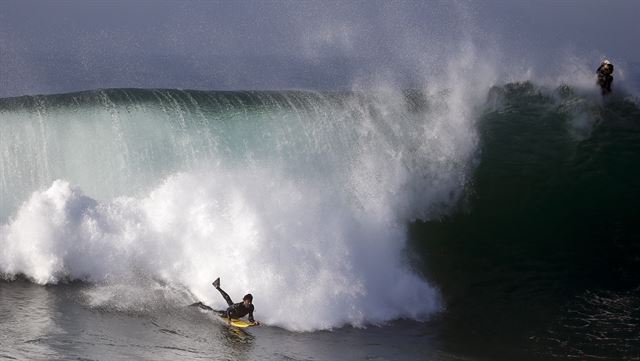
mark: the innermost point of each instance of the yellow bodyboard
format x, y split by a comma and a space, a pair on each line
238, 323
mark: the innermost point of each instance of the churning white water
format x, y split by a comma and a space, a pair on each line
301, 199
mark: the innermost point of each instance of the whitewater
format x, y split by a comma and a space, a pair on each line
301, 198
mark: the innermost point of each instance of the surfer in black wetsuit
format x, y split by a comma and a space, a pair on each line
605, 79
236, 310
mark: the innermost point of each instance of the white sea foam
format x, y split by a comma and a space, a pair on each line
303, 201
309, 261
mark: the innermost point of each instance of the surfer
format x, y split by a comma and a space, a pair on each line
605, 79
236, 310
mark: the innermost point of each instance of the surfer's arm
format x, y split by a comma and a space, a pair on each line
251, 315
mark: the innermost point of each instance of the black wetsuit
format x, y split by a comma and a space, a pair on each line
236, 310
604, 77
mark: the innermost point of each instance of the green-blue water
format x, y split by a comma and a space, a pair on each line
506, 230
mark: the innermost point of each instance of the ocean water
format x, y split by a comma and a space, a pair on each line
485, 222
54, 323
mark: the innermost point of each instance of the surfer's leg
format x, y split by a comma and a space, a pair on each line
225, 296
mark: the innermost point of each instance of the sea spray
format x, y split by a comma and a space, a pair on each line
300, 198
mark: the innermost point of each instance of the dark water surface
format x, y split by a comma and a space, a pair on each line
54, 323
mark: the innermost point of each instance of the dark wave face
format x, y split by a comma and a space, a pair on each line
544, 254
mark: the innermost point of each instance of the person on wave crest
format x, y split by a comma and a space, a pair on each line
605, 78
236, 310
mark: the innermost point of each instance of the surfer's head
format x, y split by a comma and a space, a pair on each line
247, 299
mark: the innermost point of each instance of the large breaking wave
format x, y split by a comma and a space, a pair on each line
301, 198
